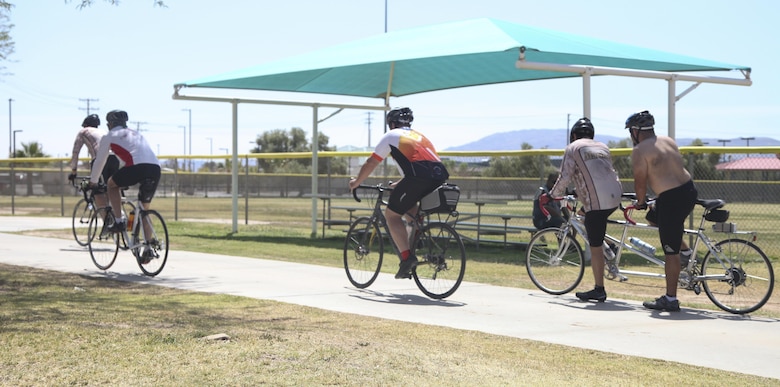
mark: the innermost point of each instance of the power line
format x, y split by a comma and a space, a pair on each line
138, 125
88, 100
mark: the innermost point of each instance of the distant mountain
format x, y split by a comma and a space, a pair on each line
556, 139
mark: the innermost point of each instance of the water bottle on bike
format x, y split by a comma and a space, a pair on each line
642, 245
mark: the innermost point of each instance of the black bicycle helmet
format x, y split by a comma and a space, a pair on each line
583, 128
116, 118
400, 117
642, 121
92, 120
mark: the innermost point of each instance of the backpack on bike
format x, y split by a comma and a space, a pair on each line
442, 200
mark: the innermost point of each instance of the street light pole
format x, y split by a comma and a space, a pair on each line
184, 132
724, 144
211, 145
10, 154
189, 114
14, 141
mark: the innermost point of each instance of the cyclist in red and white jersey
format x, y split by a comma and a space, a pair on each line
140, 164
422, 172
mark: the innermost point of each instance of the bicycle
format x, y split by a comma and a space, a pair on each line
734, 273
83, 210
439, 248
148, 238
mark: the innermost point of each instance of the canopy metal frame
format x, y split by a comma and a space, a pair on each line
315, 106
585, 71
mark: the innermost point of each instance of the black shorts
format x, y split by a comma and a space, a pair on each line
596, 225
146, 174
409, 191
112, 165
672, 207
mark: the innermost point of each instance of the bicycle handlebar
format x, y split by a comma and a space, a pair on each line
626, 210
378, 187
544, 210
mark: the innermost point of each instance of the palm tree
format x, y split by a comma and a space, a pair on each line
30, 149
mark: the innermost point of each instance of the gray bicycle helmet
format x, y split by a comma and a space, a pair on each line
642, 121
400, 117
583, 128
116, 118
92, 121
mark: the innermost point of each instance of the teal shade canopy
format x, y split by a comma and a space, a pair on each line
445, 56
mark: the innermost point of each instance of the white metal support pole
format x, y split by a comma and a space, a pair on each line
586, 105
234, 169
315, 141
672, 106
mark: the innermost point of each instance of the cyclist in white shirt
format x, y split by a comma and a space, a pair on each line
89, 136
589, 164
140, 164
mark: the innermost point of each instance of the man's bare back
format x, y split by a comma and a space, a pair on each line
657, 160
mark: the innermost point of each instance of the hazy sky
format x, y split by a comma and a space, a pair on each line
130, 56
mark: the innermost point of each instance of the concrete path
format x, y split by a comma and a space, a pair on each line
712, 339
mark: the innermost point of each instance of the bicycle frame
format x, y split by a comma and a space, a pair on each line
441, 255
377, 216
735, 274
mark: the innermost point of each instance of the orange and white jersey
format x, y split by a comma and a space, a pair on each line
413, 152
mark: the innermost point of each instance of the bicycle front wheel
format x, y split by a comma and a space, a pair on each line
363, 251
150, 242
554, 261
740, 279
442, 260
82, 214
103, 245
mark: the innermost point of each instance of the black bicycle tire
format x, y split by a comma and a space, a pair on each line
537, 252
162, 246
432, 262
78, 210
712, 294
354, 249
95, 228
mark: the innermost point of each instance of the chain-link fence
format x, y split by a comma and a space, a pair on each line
750, 191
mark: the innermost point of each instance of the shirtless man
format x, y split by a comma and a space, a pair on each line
657, 163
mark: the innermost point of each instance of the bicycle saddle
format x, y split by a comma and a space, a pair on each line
711, 204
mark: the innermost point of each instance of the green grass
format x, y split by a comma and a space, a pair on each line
60, 329
66, 329
286, 236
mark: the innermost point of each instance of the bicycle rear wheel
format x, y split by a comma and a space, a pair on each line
745, 278
103, 245
82, 214
151, 253
555, 264
363, 252
442, 260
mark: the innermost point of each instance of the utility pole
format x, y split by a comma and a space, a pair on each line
748, 141
88, 100
10, 154
138, 125
368, 121
724, 144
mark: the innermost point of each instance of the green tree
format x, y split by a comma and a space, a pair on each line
6, 42
622, 164
703, 164
295, 140
31, 149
